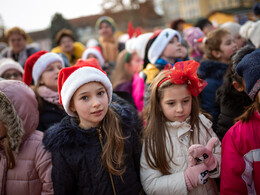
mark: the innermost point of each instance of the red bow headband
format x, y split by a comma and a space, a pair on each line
185, 73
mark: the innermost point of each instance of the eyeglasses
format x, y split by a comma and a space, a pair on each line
9, 76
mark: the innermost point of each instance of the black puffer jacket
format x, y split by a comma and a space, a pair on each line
50, 115
76, 156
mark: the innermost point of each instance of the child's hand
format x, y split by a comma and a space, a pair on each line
200, 153
196, 175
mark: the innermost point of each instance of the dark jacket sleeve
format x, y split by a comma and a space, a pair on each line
62, 175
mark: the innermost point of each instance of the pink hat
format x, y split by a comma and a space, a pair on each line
7, 64
191, 35
95, 51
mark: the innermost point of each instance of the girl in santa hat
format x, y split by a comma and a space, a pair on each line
43, 68
95, 150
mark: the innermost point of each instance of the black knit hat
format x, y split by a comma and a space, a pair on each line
249, 69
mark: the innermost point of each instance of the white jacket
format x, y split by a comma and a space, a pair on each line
154, 182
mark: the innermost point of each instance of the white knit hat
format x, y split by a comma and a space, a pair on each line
7, 64
95, 51
251, 31
160, 43
232, 27
42, 63
71, 78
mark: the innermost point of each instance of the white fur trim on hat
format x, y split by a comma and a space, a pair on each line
79, 78
160, 43
141, 42
96, 53
42, 63
7, 64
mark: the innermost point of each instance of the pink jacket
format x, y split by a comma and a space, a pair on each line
240, 168
32, 173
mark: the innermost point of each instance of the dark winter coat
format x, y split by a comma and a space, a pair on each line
232, 104
50, 115
76, 157
212, 72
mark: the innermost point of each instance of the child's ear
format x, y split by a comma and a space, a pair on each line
238, 86
72, 108
216, 54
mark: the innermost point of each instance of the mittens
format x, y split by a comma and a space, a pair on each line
200, 153
195, 175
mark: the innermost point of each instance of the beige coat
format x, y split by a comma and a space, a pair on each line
32, 173
154, 182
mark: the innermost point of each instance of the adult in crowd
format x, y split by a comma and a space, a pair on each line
18, 49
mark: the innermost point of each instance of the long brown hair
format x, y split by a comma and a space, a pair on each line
113, 153
14, 129
154, 136
120, 73
250, 111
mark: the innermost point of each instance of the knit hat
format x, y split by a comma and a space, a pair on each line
71, 78
232, 27
27, 76
95, 51
249, 69
160, 43
110, 21
191, 35
7, 64
251, 31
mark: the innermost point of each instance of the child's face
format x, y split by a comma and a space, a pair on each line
172, 50
49, 77
240, 41
105, 30
227, 48
12, 74
176, 103
184, 52
135, 64
200, 47
90, 101
67, 44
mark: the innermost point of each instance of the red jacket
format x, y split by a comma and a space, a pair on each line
240, 168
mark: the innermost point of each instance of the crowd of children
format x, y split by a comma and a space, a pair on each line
174, 111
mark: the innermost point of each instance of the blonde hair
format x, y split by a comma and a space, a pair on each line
14, 128
120, 73
154, 135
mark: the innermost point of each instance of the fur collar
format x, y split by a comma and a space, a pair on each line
68, 133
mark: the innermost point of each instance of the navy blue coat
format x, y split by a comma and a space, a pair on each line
76, 158
50, 115
212, 72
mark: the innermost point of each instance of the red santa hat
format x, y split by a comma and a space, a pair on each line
71, 78
95, 51
160, 43
37, 65
27, 76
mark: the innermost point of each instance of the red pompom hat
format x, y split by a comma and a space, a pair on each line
71, 78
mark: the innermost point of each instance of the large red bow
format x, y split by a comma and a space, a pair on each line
186, 73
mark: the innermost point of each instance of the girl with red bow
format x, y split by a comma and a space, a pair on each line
181, 153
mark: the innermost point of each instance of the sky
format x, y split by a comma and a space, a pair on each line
34, 15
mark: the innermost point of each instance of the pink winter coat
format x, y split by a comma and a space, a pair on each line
240, 168
32, 173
